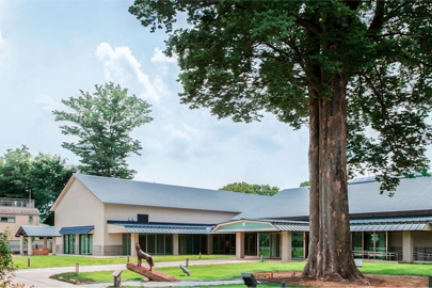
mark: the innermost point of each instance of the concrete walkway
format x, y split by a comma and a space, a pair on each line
40, 277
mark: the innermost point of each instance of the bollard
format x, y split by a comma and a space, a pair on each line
28, 262
187, 262
128, 259
77, 267
283, 284
262, 258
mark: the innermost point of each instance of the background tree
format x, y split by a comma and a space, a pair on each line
304, 184
340, 66
103, 121
45, 175
244, 187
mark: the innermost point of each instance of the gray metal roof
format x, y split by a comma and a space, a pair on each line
282, 226
18, 211
392, 224
166, 229
37, 231
76, 230
129, 192
364, 198
364, 225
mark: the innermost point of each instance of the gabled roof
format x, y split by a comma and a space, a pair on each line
130, 192
364, 198
37, 231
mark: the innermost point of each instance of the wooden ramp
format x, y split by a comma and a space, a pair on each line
152, 275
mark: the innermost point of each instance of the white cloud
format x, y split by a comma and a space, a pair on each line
47, 103
160, 57
1, 38
123, 68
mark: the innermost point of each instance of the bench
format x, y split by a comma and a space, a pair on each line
117, 278
185, 270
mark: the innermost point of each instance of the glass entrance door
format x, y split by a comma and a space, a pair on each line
269, 245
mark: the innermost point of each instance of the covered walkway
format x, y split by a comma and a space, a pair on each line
30, 231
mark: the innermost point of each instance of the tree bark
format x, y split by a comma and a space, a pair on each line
330, 254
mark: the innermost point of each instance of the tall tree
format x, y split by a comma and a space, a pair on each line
103, 121
343, 67
244, 187
42, 177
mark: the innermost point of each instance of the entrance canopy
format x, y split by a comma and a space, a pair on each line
356, 225
246, 225
76, 230
37, 231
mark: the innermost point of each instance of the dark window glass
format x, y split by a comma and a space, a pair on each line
86, 244
126, 244
168, 244
142, 218
69, 244
151, 244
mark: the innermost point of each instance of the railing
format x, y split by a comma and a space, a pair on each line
16, 202
376, 255
418, 256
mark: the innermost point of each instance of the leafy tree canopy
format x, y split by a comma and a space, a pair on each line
244, 187
44, 174
304, 184
103, 122
239, 58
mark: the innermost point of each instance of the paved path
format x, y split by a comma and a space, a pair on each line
40, 277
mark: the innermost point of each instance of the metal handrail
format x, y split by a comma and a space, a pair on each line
370, 254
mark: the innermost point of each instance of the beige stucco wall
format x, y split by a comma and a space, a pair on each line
80, 207
171, 215
12, 227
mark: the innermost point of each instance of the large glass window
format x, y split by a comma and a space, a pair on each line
357, 244
250, 244
151, 244
380, 244
69, 244
224, 244
86, 244
375, 244
192, 244
156, 244
264, 244
126, 244
297, 245
269, 245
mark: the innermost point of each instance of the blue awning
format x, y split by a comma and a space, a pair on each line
76, 230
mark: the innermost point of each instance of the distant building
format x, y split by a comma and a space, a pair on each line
15, 212
107, 216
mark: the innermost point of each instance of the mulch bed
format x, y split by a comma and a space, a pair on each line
296, 278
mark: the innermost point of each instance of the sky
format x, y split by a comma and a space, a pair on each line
50, 50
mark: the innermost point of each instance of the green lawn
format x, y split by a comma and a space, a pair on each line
396, 269
65, 261
204, 272
231, 271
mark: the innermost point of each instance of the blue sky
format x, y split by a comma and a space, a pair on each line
49, 50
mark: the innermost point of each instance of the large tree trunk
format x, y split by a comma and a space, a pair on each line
330, 257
